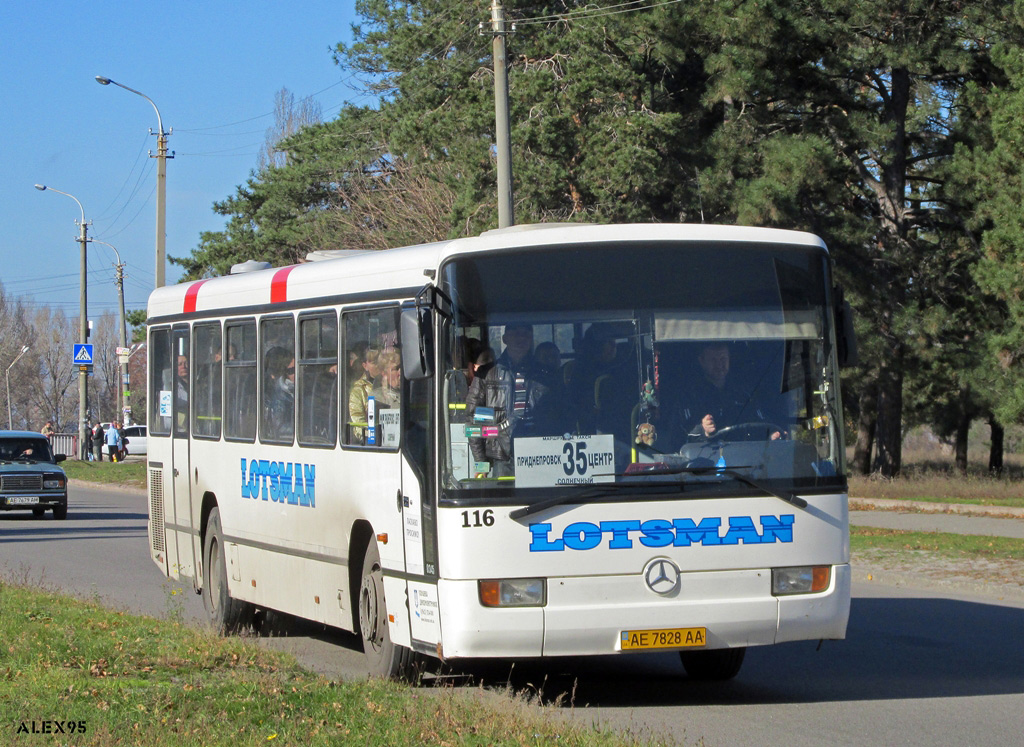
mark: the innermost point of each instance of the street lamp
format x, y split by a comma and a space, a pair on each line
161, 179
83, 332
119, 282
10, 420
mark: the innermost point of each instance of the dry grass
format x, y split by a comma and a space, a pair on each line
929, 474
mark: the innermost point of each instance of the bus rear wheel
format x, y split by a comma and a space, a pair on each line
716, 665
226, 615
386, 658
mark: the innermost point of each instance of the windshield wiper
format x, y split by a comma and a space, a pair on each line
728, 472
782, 495
614, 487
609, 489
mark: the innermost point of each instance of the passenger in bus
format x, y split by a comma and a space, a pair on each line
181, 394
602, 384
549, 365
356, 356
207, 391
388, 392
359, 395
280, 394
714, 403
508, 391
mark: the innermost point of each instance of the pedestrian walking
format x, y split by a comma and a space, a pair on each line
114, 443
98, 437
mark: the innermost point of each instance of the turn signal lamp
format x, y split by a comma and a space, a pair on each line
512, 592
809, 579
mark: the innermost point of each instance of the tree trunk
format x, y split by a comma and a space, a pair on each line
995, 455
963, 428
868, 402
889, 426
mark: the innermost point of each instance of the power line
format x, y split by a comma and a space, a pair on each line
138, 157
590, 12
203, 130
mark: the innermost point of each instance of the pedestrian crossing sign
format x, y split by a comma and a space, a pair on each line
83, 354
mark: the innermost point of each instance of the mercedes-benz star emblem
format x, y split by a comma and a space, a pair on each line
662, 576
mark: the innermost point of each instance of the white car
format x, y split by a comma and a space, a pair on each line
136, 435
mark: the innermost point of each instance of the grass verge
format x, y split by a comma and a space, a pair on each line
131, 473
938, 487
72, 672
960, 546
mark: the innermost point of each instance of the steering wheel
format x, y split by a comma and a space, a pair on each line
751, 428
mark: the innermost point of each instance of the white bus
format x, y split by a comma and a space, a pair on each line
498, 446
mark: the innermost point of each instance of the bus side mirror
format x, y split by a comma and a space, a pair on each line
417, 343
846, 338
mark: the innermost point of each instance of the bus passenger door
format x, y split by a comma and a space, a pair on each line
418, 521
181, 499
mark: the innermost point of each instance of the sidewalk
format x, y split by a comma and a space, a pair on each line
956, 518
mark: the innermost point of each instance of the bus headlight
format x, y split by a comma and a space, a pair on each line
53, 482
512, 592
808, 579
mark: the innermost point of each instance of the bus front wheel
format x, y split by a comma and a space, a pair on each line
716, 665
226, 614
386, 658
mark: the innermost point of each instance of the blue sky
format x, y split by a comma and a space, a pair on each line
212, 68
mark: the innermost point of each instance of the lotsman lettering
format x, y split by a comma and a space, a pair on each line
682, 532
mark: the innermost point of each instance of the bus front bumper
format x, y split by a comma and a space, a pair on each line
589, 615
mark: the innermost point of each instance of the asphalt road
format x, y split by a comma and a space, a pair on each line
918, 667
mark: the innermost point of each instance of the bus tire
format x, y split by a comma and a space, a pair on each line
716, 665
226, 615
386, 658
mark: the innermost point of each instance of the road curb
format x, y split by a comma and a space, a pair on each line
927, 507
106, 486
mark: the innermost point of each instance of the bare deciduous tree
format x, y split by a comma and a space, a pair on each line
289, 118
53, 390
397, 204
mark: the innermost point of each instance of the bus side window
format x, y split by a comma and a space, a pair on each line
240, 381
277, 380
182, 381
318, 380
368, 335
161, 382
206, 421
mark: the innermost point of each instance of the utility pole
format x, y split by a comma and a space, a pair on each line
161, 205
123, 384
83, 337
503, 138
161, 179
83, 328
122, 397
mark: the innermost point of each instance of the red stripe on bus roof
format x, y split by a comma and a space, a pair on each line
279, 285
191, 294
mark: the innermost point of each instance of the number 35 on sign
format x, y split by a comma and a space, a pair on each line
577, 460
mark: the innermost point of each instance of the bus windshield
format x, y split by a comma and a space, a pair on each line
621, 364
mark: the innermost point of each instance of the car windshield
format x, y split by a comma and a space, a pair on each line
25, 449
660, 366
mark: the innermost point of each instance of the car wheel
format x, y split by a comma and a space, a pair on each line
60, 512
226, 614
